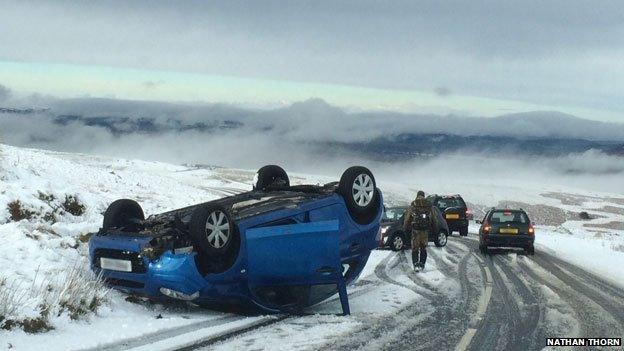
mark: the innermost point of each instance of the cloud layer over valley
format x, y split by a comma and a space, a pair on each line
312, 136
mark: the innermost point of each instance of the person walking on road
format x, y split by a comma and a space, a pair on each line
418, 222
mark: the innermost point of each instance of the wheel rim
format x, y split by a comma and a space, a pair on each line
363, 190
217, 229
442, 238
397, 242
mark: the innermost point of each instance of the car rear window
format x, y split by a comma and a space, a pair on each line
446, 202
394, 213
508, 217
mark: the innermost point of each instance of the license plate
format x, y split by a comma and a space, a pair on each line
508, 230
115, 264
452, 216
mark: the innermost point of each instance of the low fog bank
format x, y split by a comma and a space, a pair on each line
499, 177
311, 137
591, 170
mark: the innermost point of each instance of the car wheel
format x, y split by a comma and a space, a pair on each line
441, 240
463, 231
270, 176
397, 242
213, 230
530, 250
123, 214
359, 190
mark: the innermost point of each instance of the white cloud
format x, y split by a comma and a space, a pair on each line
554, 53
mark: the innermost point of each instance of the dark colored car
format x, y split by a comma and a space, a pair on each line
506, 228
275, 248
455, 212
393, 237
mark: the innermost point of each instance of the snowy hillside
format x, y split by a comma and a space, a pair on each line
45, 285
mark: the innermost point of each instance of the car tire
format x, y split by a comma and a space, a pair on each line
441, 240
463, 231
123, 213
212, 229
358, 189
270, 176
396, 242
530, 250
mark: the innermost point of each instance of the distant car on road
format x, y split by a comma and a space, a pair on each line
506, 228
455, 212
393, 237
275, 248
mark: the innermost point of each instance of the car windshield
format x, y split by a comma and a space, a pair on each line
508, 217
394, 213
446, 202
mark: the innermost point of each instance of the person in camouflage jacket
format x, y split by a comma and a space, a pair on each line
418, 222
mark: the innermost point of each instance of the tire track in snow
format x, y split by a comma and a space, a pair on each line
477, 319
594, 320
498, 330
529, 321
614, 306
454, 313
165, 334
611, 295
380, 272
448, 269
438, 324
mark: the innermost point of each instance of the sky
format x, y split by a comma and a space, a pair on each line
471, 58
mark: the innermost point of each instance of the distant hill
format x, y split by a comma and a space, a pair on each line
616, 151
22, 111
407, 146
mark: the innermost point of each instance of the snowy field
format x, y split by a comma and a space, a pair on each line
44, 254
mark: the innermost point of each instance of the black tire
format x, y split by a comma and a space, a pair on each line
270, 176
363, 202
530, 250
396, 242
123, 214
463, 231
218, 240
442, 243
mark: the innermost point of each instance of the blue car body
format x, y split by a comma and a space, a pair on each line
291, 255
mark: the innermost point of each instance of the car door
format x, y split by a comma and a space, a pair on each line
483, 221
287, 262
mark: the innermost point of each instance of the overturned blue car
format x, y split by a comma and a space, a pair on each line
276, 248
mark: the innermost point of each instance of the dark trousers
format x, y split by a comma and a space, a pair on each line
419, 247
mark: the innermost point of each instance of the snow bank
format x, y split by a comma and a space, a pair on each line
43, 261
